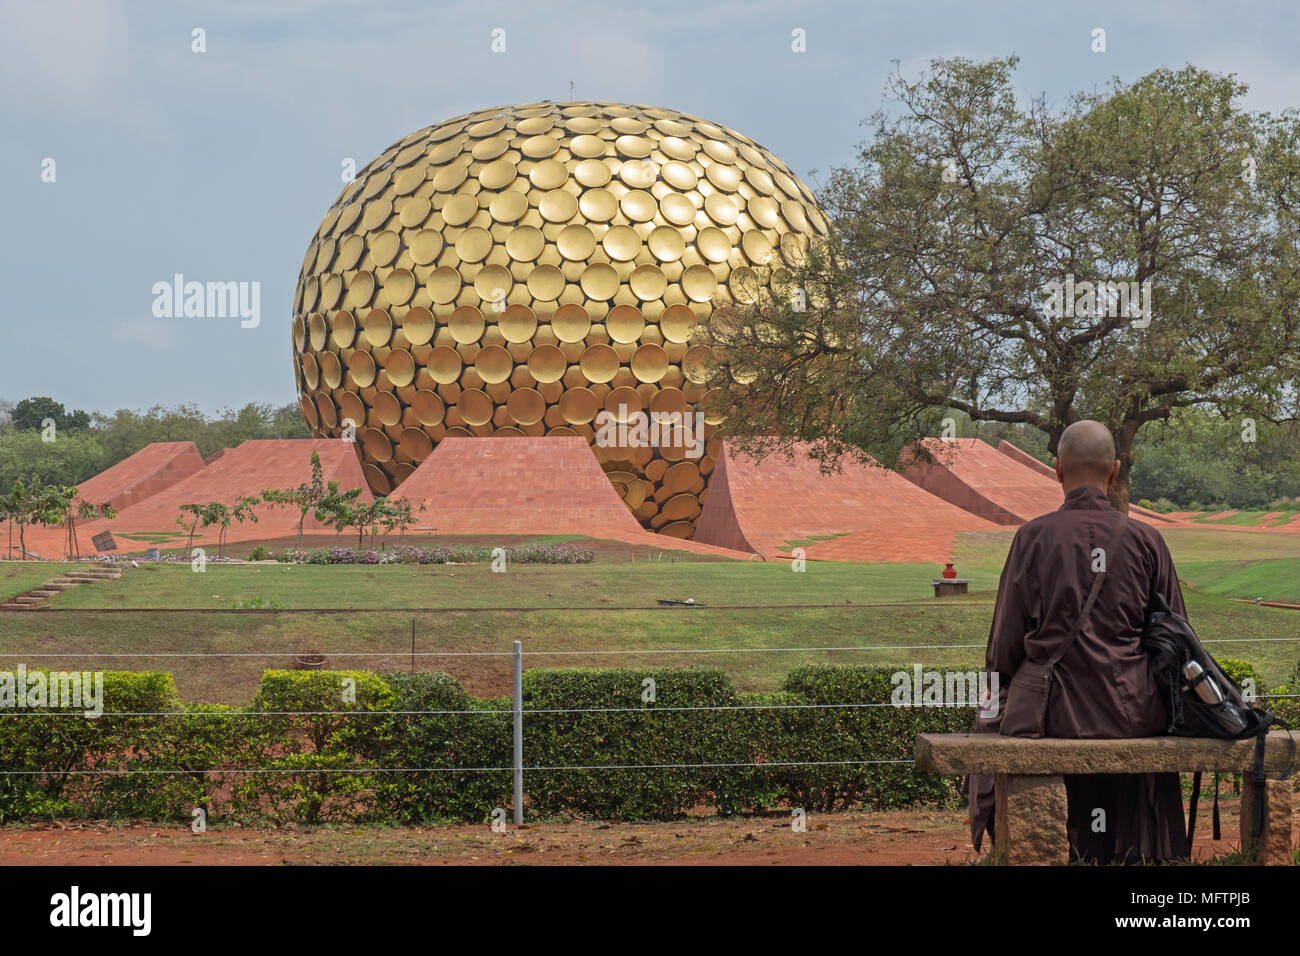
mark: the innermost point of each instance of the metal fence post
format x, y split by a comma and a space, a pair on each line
519, 732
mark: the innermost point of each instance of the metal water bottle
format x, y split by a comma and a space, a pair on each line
1208, 691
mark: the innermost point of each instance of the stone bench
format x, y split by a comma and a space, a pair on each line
1030, 808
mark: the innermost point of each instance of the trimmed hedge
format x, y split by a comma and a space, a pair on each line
413, 748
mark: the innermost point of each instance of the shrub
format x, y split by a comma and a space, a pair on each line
308, 740
258, 554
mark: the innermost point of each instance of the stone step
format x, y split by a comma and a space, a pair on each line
65, 581
60, 585
27, 599
44, 593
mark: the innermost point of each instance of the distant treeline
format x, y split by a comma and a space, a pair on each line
1197, 459
85, 443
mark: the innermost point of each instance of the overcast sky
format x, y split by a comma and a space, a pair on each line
220, 165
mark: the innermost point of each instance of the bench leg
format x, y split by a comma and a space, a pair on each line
1275, 842
1029, 820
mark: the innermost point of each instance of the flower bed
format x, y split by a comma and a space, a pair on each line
448, 554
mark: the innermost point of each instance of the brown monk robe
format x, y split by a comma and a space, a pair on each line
1102, 686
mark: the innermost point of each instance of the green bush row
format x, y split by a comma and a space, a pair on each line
416, 748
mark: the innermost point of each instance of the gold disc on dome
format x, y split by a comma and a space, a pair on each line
428, 407
329, 415
539, 147
725, 178
666, 243
549, 174
354, 246
676, 323
351, 409
649, 363
474, 406
517, 323
525, 243
599, 280
361, 368
387, 408
376, 214
508, 206
699, 283
360, 290
546, 283
400, 367
634, 147
558, 205
576, 243
331, 369
457, 432
677, 209
473, 244
622, 244
498, 173
493, 364
418, 325
592, 173
677, 148
444, 364
449, 177
680, 176
415, 444
639, 173
624, 323
383, 246
794, 215
299, 333
490, 148
623, 402
598, 205
377, 445
459, 209
744, 285
466, 325
378, 327
399, 287
485, 128
525, 406
679, 508
721, 209
570, 323
760, 180
648, 283
546, 363
757, 247
425, 246
415, 211
713, 244
316, 330
668, 400
578, 406
493, 283
764, 211
443, 284
310, 373
639, 206
698, 364
331, 287
719, 152
599, 363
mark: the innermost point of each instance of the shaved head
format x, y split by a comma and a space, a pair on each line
1086, 452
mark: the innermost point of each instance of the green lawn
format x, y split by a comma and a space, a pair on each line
18, 577
1246, 518
588, 611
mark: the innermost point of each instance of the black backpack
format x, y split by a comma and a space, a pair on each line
1201, 700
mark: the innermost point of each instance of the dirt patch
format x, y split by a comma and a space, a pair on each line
893, 838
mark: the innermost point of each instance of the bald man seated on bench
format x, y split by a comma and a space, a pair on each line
1102, 686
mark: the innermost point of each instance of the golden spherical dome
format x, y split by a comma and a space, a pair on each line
540, 270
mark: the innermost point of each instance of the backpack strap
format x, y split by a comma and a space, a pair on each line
1107, 555
1191, 809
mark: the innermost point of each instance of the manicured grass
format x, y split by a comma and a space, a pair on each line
637, 584
616, 612
18, 577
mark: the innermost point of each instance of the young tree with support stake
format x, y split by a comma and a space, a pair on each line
1131, 254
